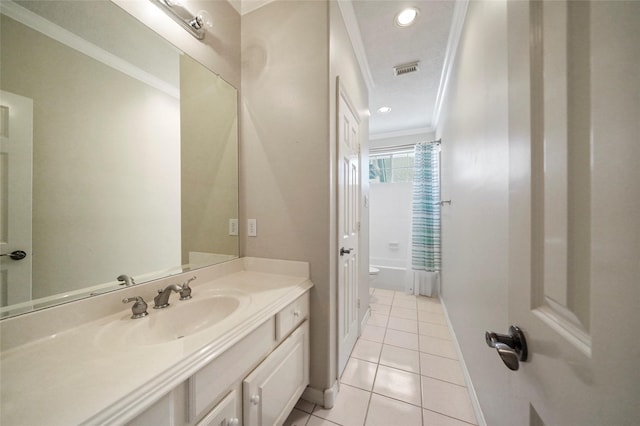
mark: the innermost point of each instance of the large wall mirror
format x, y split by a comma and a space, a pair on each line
119, 155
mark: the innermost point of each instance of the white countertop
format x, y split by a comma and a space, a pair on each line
73, 377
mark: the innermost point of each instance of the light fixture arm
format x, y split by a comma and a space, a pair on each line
194, 24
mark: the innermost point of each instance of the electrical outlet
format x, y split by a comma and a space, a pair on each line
233, 226
252, 230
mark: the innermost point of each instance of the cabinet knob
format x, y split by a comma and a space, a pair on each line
255, 399
233, 422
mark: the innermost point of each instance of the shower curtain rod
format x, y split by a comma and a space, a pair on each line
400, 147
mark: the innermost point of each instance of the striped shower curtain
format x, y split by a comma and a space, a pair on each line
425, 226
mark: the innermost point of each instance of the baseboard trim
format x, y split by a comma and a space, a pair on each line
365, 318
467, 378
325, 398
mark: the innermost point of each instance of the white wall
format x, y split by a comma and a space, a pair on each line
474, 132
390, 223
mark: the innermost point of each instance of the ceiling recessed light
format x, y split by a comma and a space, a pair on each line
384, 109
406, 17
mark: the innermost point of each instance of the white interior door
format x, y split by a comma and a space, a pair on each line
16, 152
574, 113
348, 223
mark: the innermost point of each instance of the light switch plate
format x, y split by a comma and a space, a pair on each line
252, 230
233, 226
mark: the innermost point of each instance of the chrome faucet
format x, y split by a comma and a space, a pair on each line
139, 309
126, 280
162, 299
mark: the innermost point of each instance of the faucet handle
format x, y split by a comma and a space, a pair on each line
139, 309
185, 293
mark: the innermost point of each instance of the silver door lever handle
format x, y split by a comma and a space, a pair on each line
511, 347
344, 251
16, 254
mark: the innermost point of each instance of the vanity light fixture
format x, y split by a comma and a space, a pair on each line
384, 109
406, 17
196, 24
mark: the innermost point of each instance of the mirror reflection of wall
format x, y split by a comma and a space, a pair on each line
105, 154
109, 171
209, 155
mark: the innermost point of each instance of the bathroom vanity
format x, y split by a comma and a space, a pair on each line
236, 353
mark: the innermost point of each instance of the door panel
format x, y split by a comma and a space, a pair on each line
348, 218
574, 199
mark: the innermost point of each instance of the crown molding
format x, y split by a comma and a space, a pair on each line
247, 6
457, 24
353, 29
69, 39
400, 133
237, 5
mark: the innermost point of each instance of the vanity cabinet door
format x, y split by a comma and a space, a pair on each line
223, 414
271, 391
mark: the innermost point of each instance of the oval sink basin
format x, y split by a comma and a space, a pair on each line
182, 318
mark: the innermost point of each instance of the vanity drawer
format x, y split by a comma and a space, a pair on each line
292, 316
223, 414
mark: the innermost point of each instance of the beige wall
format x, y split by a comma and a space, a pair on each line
292, 53
209, 158
474, 132
285, 170
220, 49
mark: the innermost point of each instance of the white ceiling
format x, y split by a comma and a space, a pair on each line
412, 97
380, 45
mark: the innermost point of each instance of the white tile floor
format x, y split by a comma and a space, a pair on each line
403, 371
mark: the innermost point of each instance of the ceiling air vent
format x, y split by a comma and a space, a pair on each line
405, 68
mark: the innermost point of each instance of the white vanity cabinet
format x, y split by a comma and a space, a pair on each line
247, 366
255, 382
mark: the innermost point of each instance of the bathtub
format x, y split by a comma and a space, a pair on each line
393, 275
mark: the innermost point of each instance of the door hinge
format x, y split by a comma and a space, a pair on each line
358, 303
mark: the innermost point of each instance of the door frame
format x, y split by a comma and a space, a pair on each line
341, 93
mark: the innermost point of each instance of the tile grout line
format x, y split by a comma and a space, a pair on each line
375, 377
422, 408
420, 369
